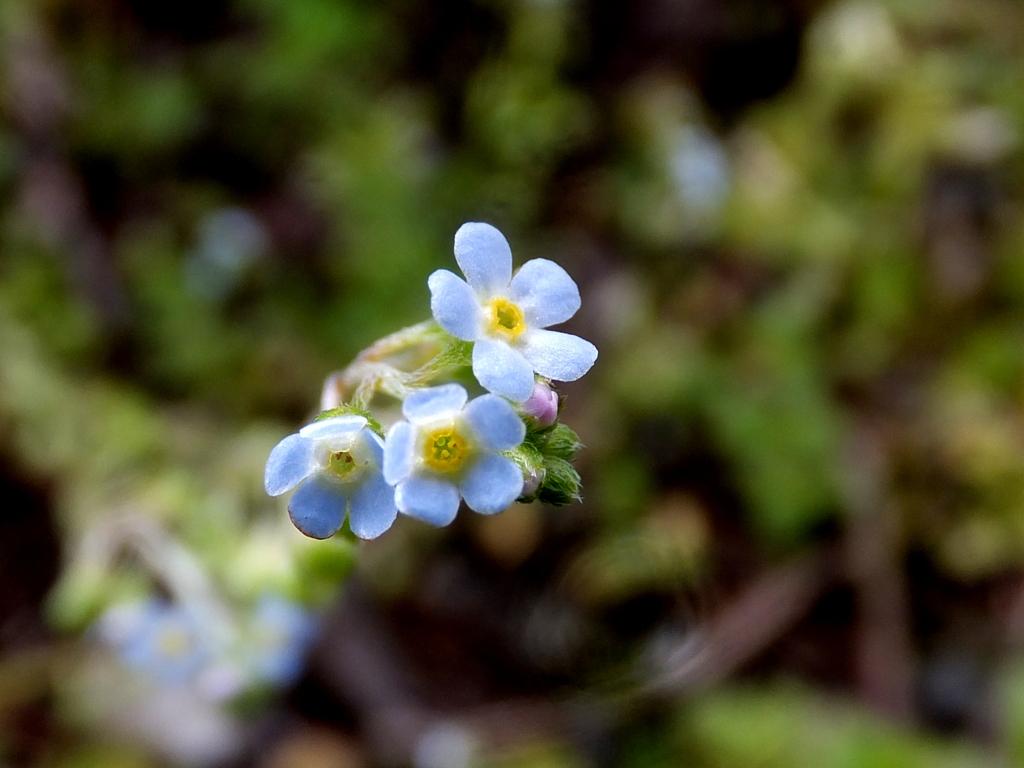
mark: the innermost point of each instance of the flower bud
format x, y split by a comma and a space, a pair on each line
532, 484
562, 442
561, 485
542, 405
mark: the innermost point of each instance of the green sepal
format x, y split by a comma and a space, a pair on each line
561, 485
530, 461
544, 455
347, 409
560, 441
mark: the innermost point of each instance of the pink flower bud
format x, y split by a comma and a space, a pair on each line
542, 405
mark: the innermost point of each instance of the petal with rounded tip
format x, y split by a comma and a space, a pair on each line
374, 446
289, 464
545, 293
428, 404
336, 426
318, 507
454, 305
502, 370
558, 356
372, 507
495, 422
491, 484
398, 452
484, 256
428, 499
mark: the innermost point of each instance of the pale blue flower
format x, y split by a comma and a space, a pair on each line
230, 241
449, 448
336, 464
163, 640
280, 633
699, 167
505, 316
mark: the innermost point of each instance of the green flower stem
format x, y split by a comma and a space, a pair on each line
401, 341
379, 367
168, 561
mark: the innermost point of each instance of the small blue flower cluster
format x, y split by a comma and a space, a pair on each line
488, 451
183, 644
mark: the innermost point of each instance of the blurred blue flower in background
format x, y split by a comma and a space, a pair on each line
700, 169
280, 633
164, 640
336, 464
229, 241
506, 316
449, 449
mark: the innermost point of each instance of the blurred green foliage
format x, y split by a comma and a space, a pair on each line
785, 726
766, 287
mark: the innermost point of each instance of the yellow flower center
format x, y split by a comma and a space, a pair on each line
270, 638
445, 449
342, 464
174, 643
506, 319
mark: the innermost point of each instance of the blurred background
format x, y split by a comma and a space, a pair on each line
798, 233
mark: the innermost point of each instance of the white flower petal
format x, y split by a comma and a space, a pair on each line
428, 404
484, 256
289, 464
502, 370
558, 356
374, 446
372, 509
495, 422
491, 484
318, 507
454, 305
428, 499
398, 452
545, 293
336, 426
